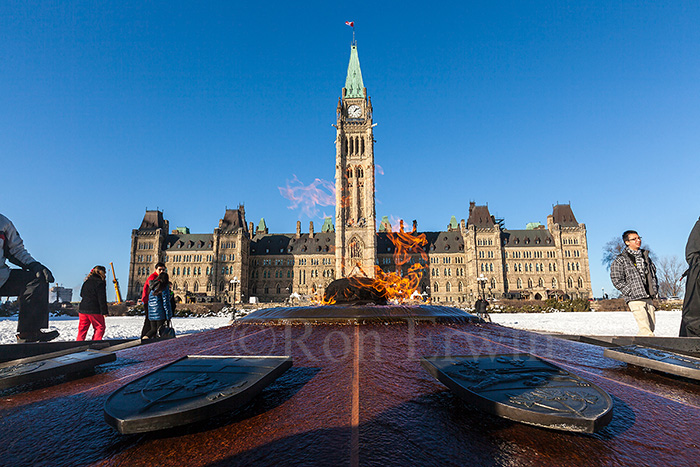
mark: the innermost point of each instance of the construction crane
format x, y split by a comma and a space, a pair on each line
116, 284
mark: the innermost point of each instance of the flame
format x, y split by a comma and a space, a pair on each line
399, 286
309, 197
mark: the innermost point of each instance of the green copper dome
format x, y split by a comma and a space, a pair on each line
353, 83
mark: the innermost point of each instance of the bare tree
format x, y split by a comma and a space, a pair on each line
611, 249
669, 270
614, 247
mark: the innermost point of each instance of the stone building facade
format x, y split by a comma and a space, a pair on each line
237, 262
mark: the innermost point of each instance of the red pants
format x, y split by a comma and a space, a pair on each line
97, 321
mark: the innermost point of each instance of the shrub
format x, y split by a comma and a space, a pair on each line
539, 306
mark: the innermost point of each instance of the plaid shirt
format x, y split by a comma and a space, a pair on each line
629, 280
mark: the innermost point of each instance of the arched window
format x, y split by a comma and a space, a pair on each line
195, 287
184, 286
580, 283
355, 249
493, 283
460, 287
554, 282
529, 283
208, 286
436, 287
520, 283
540, 282
448, 287
570, 283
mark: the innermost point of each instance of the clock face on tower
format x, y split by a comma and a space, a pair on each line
354, 111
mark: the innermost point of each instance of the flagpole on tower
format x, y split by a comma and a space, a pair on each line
352, 25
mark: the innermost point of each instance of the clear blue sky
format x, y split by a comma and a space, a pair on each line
109, 108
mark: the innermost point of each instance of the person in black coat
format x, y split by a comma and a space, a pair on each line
690, 321
93, 306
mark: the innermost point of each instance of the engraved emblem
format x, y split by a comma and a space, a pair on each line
21, 369
524, 388
556, 400
656, 354
155, 390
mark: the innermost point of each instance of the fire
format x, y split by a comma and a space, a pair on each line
400, 285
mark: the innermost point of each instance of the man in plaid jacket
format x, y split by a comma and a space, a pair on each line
633, 273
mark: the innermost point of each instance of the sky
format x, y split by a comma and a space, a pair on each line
111, 108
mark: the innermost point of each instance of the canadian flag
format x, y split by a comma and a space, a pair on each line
350, 23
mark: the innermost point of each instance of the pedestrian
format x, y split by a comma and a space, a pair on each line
30, 284
160, 268
159, 304
690, 320
93, 306
633, 273
480, 308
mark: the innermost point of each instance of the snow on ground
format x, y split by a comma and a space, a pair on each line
118, 327
599, 323
594, 323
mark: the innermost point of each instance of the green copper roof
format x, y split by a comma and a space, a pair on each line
261, 225
384, 225
353, 82
453, 223
327, 225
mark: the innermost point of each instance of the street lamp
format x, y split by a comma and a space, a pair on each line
482, 280
234, 282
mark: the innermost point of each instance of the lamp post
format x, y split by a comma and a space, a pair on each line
482, 281
234, 282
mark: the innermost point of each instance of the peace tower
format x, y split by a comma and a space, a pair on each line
355, 233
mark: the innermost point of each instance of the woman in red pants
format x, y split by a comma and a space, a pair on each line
93, 306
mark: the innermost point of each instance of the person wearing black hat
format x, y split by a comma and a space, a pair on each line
690, 320
30, 284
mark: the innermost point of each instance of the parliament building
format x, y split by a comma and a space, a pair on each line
239, 262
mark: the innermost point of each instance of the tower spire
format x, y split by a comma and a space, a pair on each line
354, 87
